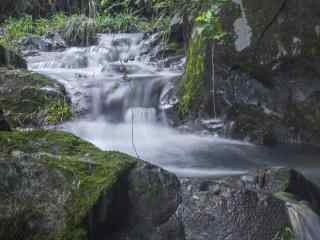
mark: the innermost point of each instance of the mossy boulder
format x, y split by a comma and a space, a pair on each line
9, 57
55, 186
51, 182
31, 100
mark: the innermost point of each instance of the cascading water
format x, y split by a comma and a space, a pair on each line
118, 92
305, 222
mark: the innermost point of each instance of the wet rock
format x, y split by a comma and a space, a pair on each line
149, 188
243, 207
51, 42
9, 57
262, 65
4, 125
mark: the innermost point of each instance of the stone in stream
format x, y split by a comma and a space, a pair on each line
52, 41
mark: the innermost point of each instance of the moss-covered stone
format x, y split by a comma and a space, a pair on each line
50, 181
30, 99
191, 86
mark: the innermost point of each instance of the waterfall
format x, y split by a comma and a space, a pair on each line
305, 222
142, 115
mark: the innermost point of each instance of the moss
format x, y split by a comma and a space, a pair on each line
91, 171
191, 87
30, 99
286, 233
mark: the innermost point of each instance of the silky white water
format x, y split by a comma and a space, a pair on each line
121, 98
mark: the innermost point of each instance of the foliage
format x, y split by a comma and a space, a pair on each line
59, 112
121, 23
210, 24
79, 30
286, 233
192, 85
16, 28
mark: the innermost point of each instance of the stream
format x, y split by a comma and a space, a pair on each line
121, 96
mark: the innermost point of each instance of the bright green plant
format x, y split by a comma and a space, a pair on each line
210, 24
58, 112
16, 28
286, 233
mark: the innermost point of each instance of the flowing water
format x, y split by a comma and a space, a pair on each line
305, 222
121, 97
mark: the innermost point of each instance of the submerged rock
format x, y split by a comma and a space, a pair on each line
57, 186
244, 207
32, 100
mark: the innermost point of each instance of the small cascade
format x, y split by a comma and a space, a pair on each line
141, 115
119, 80
305, 221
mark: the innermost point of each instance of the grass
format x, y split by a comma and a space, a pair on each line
16, 28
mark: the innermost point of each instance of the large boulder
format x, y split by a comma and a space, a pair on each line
57, 186
245, 207
269, 61
31, 100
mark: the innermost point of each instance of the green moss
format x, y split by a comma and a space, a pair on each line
191, 87
30, 99
286, 233
91, 171
59, 112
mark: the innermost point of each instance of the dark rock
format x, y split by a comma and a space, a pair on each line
154, 196
266, 62
243, 207
9, 57
53, 41
4, 125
